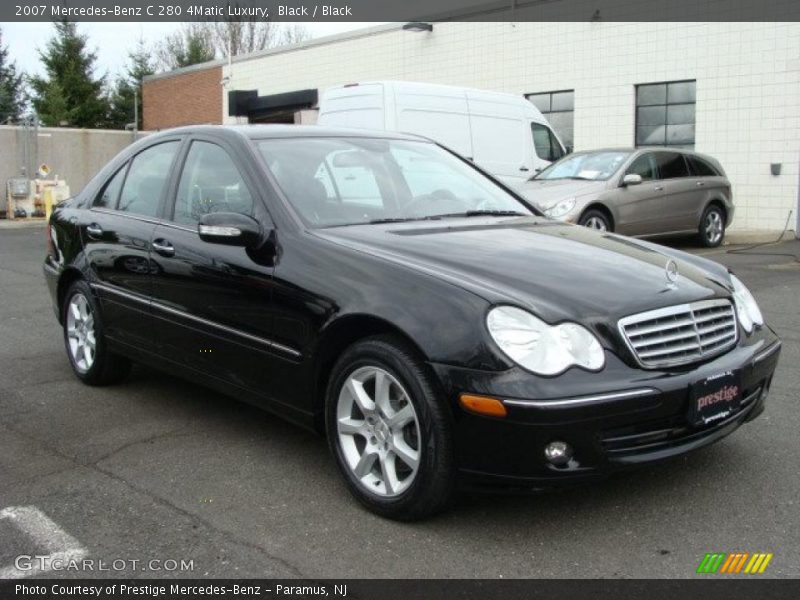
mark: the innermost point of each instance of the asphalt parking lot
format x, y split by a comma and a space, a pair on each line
158, 468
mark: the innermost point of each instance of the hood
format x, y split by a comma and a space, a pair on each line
556, 270
545, 193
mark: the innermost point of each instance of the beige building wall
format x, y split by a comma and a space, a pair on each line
748, 83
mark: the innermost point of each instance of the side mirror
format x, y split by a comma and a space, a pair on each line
631, 179
229, 229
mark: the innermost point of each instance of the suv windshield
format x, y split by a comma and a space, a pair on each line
593, 166
349, 181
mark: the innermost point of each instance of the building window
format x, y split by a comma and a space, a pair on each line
665, 114
559, 110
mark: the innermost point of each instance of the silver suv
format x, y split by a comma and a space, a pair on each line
638, 192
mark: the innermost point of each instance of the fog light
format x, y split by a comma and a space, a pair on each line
558, 453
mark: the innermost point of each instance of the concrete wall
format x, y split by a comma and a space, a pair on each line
189, 97
73, 154
748, 83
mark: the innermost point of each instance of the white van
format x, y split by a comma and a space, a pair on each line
503, 133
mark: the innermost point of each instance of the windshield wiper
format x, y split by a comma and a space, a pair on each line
495, 213
401, 219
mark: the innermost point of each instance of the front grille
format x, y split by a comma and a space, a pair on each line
682, 334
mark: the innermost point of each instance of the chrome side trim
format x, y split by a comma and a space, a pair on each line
767, 353
180, 313
583, 400
142, 218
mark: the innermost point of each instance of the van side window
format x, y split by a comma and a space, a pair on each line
644, 166
355, 182
545, 143
210, 182
671, 165
107, 198
147, 178
700, 167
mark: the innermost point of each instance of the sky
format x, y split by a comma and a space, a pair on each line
113, 41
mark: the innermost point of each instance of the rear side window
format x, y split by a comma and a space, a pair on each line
671, 165
545, 143
210, 183
107, 198
147, 178
645, 167
701, 168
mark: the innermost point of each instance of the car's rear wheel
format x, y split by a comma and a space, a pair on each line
595, 219
389, 430
712, 227
86, 347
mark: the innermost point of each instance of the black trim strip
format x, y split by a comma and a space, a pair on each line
174, 311
582, 400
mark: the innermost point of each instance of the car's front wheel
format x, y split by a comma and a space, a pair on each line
389, 431
595, 219
83, 337
712, 227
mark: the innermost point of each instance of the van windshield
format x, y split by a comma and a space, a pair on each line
349, 181
593, 166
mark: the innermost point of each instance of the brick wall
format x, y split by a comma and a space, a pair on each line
186, 98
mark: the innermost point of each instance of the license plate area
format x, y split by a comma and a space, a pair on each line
714, 398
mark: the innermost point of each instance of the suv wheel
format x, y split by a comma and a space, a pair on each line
595, 219
712, 227
86, 348
389, 431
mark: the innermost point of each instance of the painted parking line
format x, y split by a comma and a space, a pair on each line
59, 547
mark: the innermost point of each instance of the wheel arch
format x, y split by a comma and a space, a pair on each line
336, 337
599, 206
65, 280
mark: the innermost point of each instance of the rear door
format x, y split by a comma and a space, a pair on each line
117, 236
212, 304
680, 193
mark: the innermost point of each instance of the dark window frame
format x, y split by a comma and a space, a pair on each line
567, 147
666, 106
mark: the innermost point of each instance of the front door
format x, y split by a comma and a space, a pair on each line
212, 303
639, 206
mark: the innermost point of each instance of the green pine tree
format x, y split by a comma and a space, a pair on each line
69, 94
128, 88
12, 91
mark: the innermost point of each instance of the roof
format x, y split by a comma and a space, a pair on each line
274, 131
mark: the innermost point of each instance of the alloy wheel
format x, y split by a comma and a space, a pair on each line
713, 226
596, 223
81, 332
378, 431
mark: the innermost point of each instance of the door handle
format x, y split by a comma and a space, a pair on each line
524, 169
701, 183
659, 188
94, 231
163, 247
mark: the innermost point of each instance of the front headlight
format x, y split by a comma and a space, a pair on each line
561, 208
746, 307
542, 348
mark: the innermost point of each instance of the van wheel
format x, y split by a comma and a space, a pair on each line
712, 227
595, 219
86, 348
389, 430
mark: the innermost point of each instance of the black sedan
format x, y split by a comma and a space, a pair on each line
387, 292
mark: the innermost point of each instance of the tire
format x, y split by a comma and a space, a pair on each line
711, 231
595, 219
390, 487
86, 348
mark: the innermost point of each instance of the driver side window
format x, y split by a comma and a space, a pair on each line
210, 182
545, 143
644, 166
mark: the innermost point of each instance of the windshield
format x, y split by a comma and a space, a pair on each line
348, 181
593, 166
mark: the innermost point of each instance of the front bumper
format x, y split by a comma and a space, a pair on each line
620, 417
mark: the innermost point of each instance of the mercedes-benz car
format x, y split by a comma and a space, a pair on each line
435, 326
639, 192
